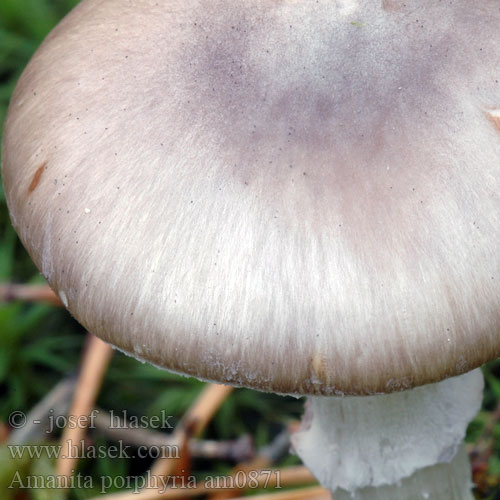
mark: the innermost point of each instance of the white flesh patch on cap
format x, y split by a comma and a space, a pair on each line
359, 442
494, 116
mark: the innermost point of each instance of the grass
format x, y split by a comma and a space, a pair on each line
40, 345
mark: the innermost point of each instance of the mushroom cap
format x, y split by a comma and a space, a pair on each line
299, 197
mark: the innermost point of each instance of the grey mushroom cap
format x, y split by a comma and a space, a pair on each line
300, 197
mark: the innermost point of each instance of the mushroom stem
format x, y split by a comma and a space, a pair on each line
393, 446
446, 481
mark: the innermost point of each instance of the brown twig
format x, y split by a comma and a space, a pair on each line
314, 493
269, 478
95, 362
193, 423
204, 408
29, 293
267, 456
4, 432
119, 430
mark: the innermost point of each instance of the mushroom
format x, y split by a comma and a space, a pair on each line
298, 197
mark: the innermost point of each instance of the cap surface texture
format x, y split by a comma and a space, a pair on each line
300, 197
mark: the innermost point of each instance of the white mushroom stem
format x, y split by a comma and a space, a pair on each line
405, 445
438, 482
